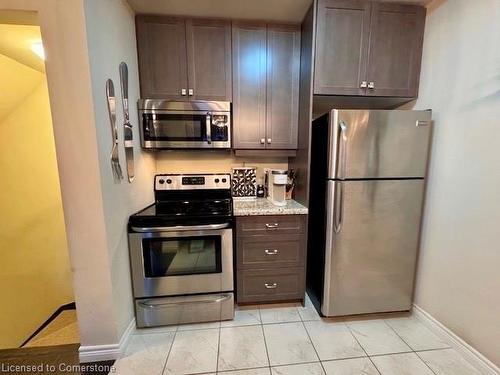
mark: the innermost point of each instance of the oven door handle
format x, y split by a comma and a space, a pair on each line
151, 305
180, 228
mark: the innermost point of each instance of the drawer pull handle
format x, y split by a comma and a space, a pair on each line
271, 286
272, 225
271, 252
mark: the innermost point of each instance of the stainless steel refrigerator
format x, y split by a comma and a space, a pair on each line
367, 181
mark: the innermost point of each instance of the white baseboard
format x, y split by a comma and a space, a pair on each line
97, 353
479, 361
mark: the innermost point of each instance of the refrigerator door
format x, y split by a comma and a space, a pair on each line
378, 143
372, 235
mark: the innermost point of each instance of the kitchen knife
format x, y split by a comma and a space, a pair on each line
127, 126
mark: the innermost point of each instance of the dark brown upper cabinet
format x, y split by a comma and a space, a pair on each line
283, 66
161, 46
366, 48
184, 59
249, 85
266, 63
395, 49
343, 33
209, 58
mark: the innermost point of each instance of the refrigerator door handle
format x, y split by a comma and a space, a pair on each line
342, 150
338, 206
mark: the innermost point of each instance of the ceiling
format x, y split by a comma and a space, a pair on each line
272, 10
18, 17
15, 43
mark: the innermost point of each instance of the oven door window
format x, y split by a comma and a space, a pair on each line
181, 256
175, 127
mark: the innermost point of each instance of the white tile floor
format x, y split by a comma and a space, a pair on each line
290, 339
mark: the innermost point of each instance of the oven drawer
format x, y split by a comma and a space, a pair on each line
272, 224
160, 311
257, 252
270, 285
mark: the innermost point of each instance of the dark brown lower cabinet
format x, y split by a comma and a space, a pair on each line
270, 258
270, 285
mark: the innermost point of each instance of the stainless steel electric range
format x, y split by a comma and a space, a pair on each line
181, 251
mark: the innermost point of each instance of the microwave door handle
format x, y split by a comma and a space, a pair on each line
208, 129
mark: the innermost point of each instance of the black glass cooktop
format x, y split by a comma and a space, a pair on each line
183, 212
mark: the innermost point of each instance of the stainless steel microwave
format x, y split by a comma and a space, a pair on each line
175, 124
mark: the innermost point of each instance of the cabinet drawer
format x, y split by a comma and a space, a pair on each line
269, 225
270, 285
258, 252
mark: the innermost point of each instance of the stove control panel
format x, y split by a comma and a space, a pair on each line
192, 181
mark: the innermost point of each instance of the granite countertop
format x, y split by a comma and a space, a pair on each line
262, 206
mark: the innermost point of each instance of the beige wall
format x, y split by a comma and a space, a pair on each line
458, 276
35, 275
111, 40
212, 162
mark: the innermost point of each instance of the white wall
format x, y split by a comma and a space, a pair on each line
458, 278
111, 40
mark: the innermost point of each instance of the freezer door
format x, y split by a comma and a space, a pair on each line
371, 245
378, 143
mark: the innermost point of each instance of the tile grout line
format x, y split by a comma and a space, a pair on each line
407, 344
344, 359
218, 351
361, 346
265, 342
168, 353
425, 363
431, 350
312, 344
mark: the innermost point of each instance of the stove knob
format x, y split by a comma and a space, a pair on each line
216, 180
224, 180
161, 181
169, 181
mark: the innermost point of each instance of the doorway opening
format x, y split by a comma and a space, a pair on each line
38, 309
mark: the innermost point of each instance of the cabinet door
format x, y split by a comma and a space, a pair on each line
395, 49
209, 59
283, 66
343, 31
161, 43
249, 85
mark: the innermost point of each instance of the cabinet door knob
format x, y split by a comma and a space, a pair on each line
183, 92
271, 285
190, 92
262, 141
271, 252
371, 85
363, 85
269, 140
